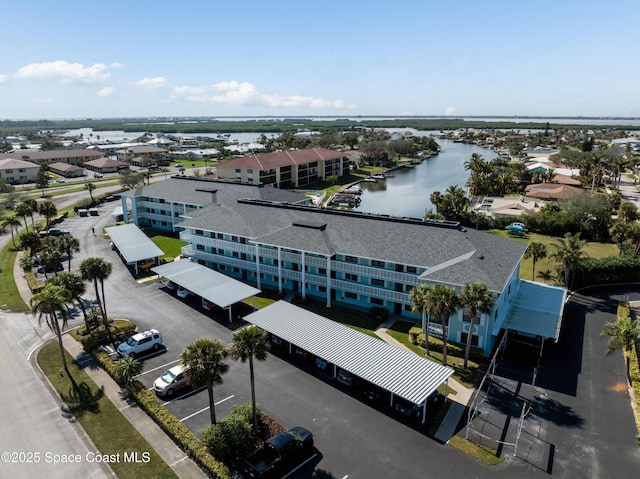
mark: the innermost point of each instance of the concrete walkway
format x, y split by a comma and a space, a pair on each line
464, 393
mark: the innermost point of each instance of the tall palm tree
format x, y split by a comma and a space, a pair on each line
50, 303
23, 210
444, 302
73, 283
475, 298
619, 232
90, 187
127, 368
419, 297
204, 366
248, 343
623, 334
569, 252
97, 269
545, 275
535, 251
68, 244
30, 240
13, 223
48, 210
33, 206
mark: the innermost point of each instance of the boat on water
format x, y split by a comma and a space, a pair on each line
353, 190
379, 177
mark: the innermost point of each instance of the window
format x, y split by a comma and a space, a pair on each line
350, 295
200, 247
322, 289
377, 264
377, 282
474, 339
322, 271
199, 232
351, 259
234, 239
351, 277
235, 254
412, 269
376, 301
236, 270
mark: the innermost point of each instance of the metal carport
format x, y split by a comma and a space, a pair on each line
206, 283
133, 244
400, 372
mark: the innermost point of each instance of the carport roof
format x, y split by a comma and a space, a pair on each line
401, 372
536, 310
132, 243
205, 282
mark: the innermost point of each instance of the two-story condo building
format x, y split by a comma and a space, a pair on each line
286, 169
356, 259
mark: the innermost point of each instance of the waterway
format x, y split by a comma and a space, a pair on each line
407, 194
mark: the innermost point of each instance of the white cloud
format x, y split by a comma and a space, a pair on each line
3, 78
65, 72
115, 65
157, 82
244, 93
450, 110
107, 91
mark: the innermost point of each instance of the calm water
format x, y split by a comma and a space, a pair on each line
407, 194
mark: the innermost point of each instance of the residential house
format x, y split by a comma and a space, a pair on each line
66, 170
141, 155
72, 157
106, 165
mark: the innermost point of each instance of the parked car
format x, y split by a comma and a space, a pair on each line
407, 407
322, 364
58, 232
61, 180
171, 285
346, 378
281, 454
140, 343
184, 293
171, 381
277, 340
50, 269
147, 264
98, 175
372, 392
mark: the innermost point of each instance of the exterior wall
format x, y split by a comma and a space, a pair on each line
156, 212
20, 175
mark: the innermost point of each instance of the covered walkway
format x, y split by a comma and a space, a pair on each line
134, 246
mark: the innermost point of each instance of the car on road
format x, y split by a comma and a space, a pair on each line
184, 293
98, 175
171, 381
178, 165
61, 180
139, 343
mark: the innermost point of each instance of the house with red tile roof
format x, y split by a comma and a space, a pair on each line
286, 169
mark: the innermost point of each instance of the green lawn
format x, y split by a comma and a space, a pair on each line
109, 430
594, 250
10, 297
169, 244
358, 320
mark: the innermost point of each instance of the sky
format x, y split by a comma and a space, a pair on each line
140, 58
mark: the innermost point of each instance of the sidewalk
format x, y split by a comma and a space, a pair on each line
175, 457
464, 393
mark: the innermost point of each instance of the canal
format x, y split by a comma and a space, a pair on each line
407, 194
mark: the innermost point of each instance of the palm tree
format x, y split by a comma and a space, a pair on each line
204, 366
444, 302
545, 275
30, 240
68, 244
248, 343
13, 223
569, 252
535, 251
419, 297
619, 232
33, 206
475, 298
48, 210
90, 187
125, 369
50, 302
623, 334
97, 269
73, 283
23, 210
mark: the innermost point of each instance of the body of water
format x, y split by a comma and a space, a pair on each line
407, 194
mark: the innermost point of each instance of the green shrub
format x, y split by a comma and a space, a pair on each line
180, 433
610, 269
98, 338
453, 349
32, 282
245, 411
230, 439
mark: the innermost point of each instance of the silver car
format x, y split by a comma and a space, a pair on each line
171, 381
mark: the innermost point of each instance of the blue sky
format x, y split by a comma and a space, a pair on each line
73, 59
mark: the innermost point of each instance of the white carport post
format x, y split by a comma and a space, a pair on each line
279, 269
304, 277
328, 281
258, 266
230, 318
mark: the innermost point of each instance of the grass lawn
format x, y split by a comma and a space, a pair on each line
110, 431
10, 297
358, 320
468, 377
170, 245
482, 453
594, 250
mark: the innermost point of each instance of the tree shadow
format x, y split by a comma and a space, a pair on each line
82, 400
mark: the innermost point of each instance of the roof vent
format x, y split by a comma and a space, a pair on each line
311, 225
481, 256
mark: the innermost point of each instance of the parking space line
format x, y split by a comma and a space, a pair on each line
190, 393
159, 367
203, 410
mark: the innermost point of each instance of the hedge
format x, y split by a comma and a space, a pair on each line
180, 433
610, 269
436, 344
33, 283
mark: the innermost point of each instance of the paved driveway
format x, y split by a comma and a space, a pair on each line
580, 423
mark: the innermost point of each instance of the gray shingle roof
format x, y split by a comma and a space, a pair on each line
451, 255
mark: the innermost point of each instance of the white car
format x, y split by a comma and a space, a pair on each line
60, 180
171, 381
184, 293
141, 342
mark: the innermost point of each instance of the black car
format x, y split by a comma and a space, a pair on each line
407, 407
50, 269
